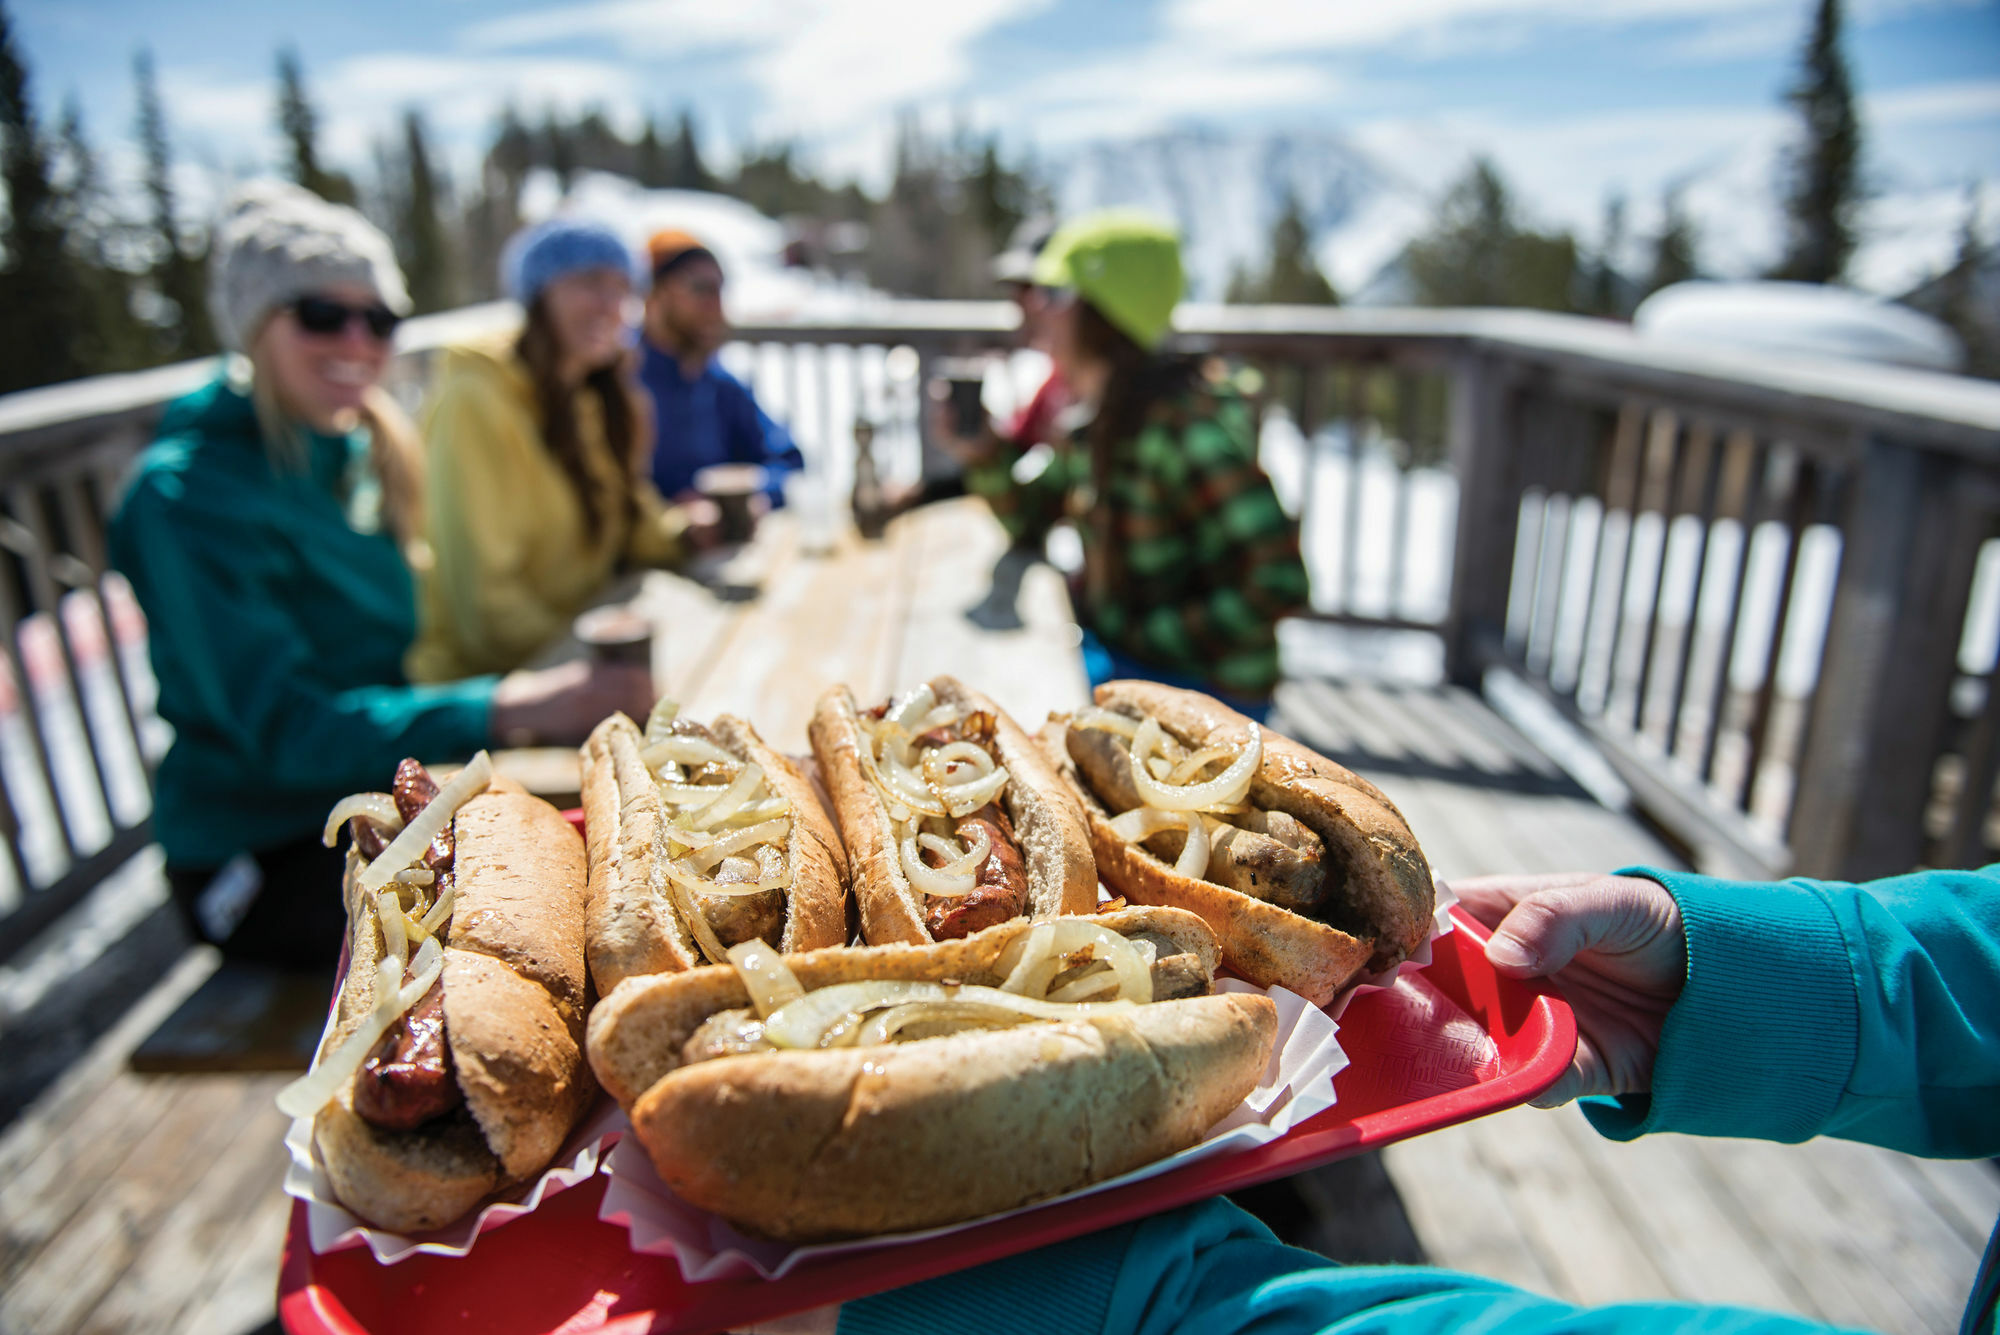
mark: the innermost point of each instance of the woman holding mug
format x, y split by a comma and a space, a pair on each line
264, 534
537, 440
1188, 559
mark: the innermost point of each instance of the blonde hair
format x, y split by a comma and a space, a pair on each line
395, 451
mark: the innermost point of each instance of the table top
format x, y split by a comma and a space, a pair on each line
939, 593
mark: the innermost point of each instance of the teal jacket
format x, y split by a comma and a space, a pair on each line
277, 613
1811, 1008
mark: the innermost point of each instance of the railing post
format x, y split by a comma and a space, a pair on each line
1910, 541
1484, 440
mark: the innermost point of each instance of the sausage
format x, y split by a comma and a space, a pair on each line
1288, 871
407, 1078
1106, 764
413, 790
726, 1034
369, 840
1001, 890
740, 918
1268, 855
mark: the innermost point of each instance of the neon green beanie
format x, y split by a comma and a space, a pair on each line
1125, 263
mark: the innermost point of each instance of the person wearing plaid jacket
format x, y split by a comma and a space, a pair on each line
1188, 559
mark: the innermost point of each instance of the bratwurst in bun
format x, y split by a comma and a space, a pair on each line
879, 1089
953, 820
1306, 871
454, 1067
702, 837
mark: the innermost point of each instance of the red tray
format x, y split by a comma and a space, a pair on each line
561, 1269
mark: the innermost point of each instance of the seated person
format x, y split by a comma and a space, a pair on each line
536, 439
1034, 422
1188, 559
702, 415
1706, 1007
260, 532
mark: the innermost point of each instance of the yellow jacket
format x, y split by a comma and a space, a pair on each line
512, 563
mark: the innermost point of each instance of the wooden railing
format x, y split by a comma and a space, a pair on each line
1767, 588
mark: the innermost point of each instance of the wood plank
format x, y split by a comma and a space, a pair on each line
995, 619
1389, 711
89, 1255
187, 1244
819, 621
1428, 709
1324, 700
241, 1295
74, 1137
1776, 1193
1588, 1249
1657, 1185
1964, 1193
1885, 1213
1460, 1212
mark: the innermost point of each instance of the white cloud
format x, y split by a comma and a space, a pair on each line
1131, 93
823, 67
1939, 103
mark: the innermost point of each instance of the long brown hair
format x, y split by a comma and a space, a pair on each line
1139, 379
555, 405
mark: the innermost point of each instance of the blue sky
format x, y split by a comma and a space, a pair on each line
1576, 97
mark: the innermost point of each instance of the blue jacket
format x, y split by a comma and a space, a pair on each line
277, 613
711, 419
1811, 1008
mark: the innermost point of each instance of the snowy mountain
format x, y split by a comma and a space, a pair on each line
1225, 191
1365, 196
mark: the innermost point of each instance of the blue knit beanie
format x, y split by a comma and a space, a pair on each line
536, 256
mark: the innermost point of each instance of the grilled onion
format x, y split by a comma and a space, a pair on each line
1225, 789
377, 807
766, 977
407, 847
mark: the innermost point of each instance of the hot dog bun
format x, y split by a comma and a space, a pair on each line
514, 1000
1382, 897
802, 1145
1048, 824
633, 927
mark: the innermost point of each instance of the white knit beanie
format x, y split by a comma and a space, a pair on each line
276, 242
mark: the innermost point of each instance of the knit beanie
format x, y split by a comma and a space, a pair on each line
276, 242
1125, 263
538, 255
669, 248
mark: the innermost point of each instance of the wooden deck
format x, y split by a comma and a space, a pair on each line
152, 1203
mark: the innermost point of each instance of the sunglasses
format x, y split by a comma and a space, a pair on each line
326, 317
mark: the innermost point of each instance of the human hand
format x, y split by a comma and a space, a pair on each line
1613, 944
967, 450
560, 705
704, 521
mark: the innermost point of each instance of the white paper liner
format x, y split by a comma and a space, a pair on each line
1297, 1084
331, 1228
1441, 923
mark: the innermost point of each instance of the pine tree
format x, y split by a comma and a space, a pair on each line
650, 161
110, 338
176, 274
39, 338
689, 171
1822, 188
1674, 246
1606, 284
426, 255
1976, 321
299, 124
560, 149
1476, 254
1292, 277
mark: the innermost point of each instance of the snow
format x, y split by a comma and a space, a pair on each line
1801, 318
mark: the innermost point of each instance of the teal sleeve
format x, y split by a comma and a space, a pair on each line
1826, 1008
245, 678
1212, 1268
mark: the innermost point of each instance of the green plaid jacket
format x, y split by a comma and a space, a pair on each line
1189, 560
